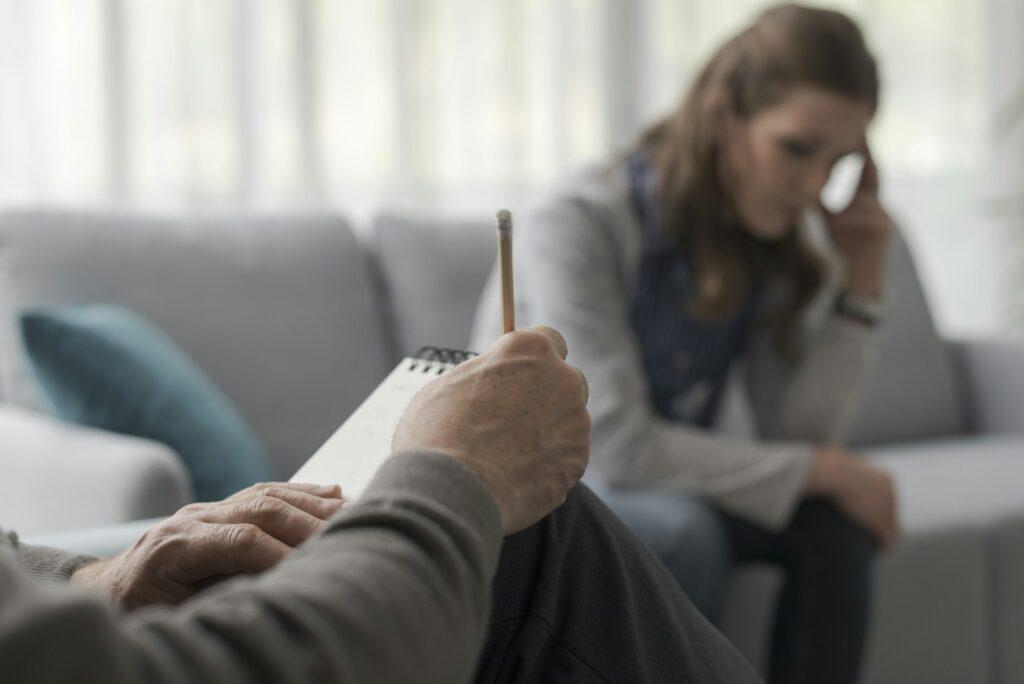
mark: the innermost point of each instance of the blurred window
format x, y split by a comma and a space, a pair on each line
460, 105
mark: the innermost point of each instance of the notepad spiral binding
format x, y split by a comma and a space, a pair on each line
438, 359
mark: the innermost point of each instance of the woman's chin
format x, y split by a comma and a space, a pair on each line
770, 230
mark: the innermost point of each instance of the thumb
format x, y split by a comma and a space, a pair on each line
553, 337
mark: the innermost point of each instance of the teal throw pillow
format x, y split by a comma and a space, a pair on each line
107, 367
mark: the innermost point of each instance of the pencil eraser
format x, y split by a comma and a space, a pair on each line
505, 221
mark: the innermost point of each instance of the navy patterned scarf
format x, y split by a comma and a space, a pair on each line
687, 359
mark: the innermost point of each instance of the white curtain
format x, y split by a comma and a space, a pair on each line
462, 105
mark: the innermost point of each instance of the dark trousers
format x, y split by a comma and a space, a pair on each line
578, 598
821, 616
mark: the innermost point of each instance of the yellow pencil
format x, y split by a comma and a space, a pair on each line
508, 302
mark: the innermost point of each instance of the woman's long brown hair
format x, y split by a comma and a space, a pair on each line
786, 47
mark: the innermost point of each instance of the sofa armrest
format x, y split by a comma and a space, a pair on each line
103, 542
992, 372
59, 476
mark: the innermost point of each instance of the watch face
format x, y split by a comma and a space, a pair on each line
842, 183
866, 311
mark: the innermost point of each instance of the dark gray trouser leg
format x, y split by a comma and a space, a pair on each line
578, 598
821, 619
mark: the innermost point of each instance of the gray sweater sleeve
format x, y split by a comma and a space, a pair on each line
814, 398
45, 564
396, 589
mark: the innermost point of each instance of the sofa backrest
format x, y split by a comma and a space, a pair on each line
914, 391
432, 272
280, 311
284, 312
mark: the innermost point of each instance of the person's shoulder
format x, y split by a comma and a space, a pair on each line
590, 198
601, 184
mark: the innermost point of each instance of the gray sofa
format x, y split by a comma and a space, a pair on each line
298, 317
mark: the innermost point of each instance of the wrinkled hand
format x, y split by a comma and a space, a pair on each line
248, 532
862, 233
862, 491
516, 416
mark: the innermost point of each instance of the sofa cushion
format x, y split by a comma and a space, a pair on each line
946, 591
930, 616
951, 483
913, 391
1008, 581
433, 272
932, 607
106, 367
59, 476
279, 310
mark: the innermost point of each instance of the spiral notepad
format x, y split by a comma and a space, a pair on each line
353, 453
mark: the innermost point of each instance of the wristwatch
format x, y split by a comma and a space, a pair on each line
868, 311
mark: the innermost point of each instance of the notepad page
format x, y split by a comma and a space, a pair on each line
353, 453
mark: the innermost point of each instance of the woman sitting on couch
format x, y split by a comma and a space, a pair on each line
691, 255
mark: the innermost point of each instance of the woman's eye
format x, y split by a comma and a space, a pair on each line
796, 148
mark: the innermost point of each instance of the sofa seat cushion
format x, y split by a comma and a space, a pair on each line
106, 367
963, 481
913, 637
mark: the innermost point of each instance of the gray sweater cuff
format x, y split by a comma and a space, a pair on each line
45, 564
436, 476
790, 487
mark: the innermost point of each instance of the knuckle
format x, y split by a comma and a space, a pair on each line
569, 475
555, 340
167, 528
328, 506
529, 342
167, 536
573, 379
556, 490
581, 467
241, 535
193, 509
264, 507
278, 489
250, 490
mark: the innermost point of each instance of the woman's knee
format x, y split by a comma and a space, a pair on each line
689, 538
833, 535
669, 521
696, 526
